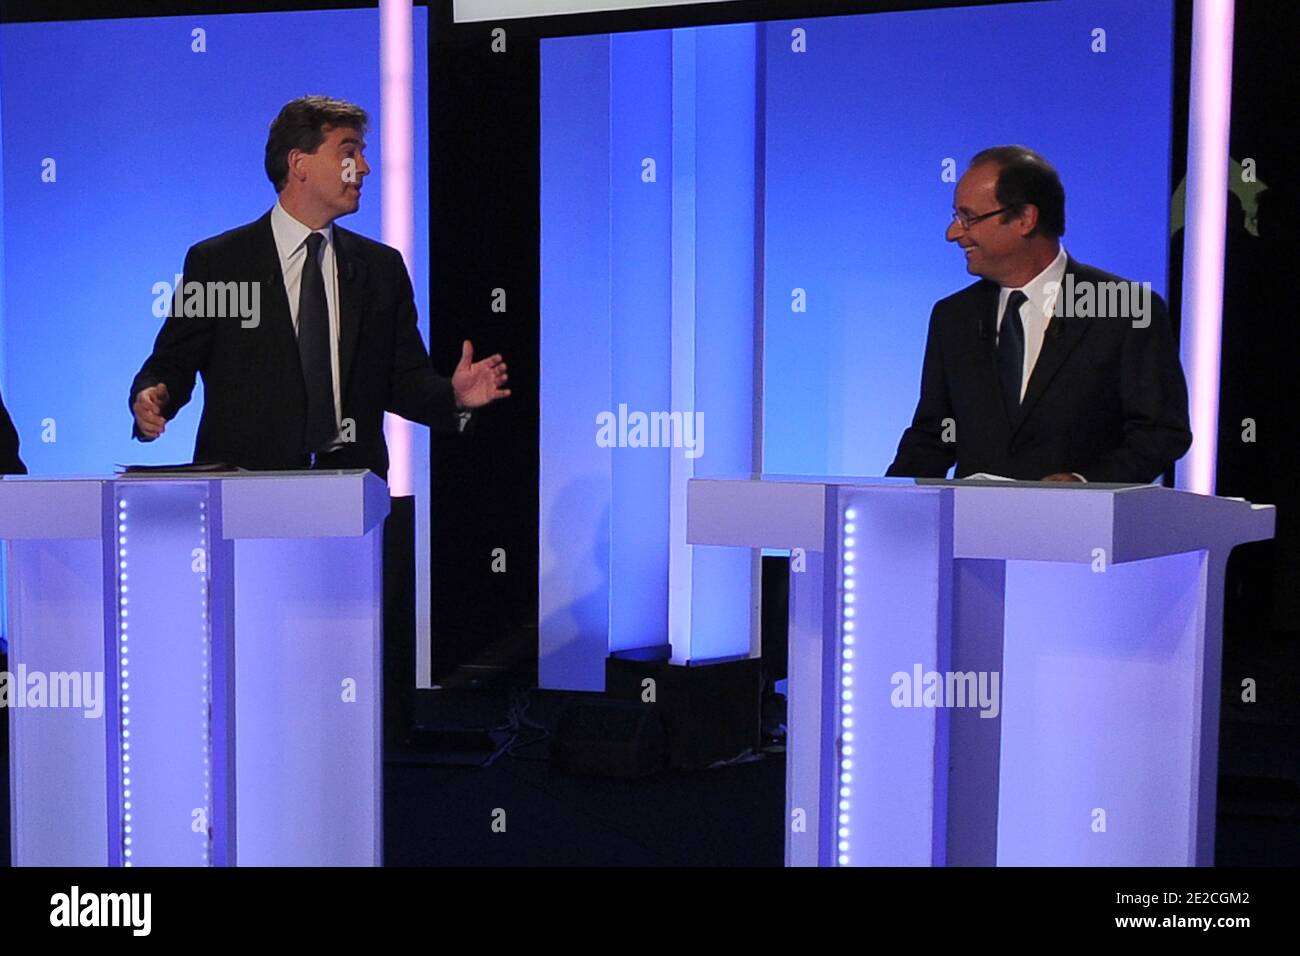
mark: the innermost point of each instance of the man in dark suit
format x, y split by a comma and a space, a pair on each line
304, 332
10, 463
1045, 369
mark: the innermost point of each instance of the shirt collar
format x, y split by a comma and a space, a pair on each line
290, 234
1043, 288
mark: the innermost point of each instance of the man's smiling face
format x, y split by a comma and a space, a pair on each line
992, 247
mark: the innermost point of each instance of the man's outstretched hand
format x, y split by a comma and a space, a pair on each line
148, 407
477, 383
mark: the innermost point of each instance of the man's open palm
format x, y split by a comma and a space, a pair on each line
478, 383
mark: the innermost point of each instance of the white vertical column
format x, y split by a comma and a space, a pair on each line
408, 446
1210, 113
680, 554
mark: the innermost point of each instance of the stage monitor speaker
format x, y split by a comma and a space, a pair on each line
710, 710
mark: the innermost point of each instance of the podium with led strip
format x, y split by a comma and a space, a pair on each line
995, 673
236, 621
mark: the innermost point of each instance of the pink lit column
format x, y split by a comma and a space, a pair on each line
408, 445
1207, 186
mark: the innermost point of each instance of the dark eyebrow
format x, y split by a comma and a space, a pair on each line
352, 139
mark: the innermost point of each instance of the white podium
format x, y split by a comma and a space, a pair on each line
1009, 673
234, 622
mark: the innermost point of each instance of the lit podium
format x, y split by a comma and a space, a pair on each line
995, 673
235, 622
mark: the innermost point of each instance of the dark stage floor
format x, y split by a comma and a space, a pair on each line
729, 816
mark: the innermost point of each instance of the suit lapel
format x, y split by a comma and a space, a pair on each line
276, 302
984, 336
352, 280
352, 272
1061, 338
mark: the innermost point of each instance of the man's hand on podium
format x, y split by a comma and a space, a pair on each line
1062, 476
148, 406
478, 383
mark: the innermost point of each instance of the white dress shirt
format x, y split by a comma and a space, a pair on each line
291, 243
1035, 313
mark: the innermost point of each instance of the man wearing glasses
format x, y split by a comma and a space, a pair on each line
1041, 370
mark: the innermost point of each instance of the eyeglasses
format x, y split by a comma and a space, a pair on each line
967, 221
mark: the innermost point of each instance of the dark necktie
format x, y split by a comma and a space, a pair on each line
1011, 351
314, 350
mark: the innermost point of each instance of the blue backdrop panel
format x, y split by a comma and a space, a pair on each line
858, 128
648, 291
640, 299
807, 166
725, 82
146, 161
149, 160
576, 355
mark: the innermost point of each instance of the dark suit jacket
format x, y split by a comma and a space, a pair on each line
10, 463
1105, 399
255, 400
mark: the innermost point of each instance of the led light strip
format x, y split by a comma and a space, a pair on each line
206, 639
124, 684
845, 734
